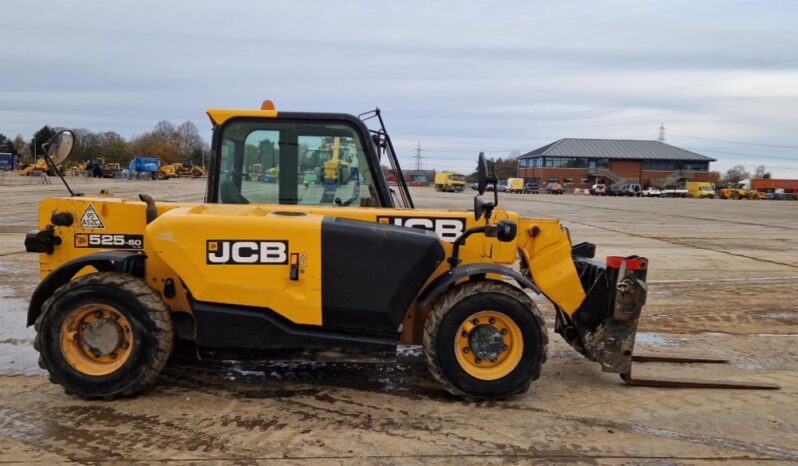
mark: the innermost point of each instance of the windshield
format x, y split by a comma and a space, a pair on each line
458, 178
706, 188
284, 162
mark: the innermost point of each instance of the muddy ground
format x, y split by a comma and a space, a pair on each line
723, 283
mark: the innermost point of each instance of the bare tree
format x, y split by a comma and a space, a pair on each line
735, 174
188, 140
166, 132
761, 172
22, 148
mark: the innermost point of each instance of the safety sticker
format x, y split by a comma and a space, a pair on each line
90, 218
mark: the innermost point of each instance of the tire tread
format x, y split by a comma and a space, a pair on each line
448, 300
148, 298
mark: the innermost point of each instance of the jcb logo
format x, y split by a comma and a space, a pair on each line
447, 229
226, 252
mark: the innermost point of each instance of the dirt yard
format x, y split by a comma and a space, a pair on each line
723, 283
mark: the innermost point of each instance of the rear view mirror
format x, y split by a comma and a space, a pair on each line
485, 174
482, 174
60, 146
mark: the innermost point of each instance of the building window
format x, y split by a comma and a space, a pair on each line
696, 166
663, 165
553, 179
584, 181
575, 162
567, 180
536, 162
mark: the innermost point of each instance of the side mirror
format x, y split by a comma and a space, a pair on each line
485, 174
60, 146
479, 207
482, 175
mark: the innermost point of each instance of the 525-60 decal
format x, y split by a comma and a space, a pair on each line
108, 241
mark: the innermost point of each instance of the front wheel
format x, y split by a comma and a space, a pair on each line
104, 335
485, 340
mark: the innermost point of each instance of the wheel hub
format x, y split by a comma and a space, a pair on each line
102, 337
488, 345
486, 342
96, 339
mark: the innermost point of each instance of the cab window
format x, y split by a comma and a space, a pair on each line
301, 163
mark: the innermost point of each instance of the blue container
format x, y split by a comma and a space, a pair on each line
7, 161
143, 164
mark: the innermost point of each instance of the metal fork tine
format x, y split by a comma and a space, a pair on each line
695, 383
676, 359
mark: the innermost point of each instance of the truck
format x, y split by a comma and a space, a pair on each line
700, 190
515, 185
674, 192
631, 190
449, 182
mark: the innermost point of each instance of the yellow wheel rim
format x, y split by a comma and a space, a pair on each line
96, 339
488, 345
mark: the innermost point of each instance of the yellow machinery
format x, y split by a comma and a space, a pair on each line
178, 170
170, 170
37, 168
260, 269
449, 181
740, 193
336, 167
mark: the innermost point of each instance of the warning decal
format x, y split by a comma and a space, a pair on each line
90, 218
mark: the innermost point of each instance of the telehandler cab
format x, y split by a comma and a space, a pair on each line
322, 257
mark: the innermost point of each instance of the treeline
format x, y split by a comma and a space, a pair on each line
503, 168
170, 143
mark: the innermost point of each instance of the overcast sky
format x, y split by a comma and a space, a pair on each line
458, 78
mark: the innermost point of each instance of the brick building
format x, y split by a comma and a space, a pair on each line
581, 163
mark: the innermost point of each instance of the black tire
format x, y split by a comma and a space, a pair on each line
457, 305
150, 325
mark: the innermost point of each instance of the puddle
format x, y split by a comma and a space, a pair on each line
654, 340
783, 316
726, 280
720, 334
17, 356
751, 367
406, 375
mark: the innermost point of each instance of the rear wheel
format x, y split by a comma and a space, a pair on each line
735, 195
485, 340
104, 335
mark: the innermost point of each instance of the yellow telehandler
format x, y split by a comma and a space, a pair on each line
344, 265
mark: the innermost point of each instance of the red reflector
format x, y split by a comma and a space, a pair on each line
639, 263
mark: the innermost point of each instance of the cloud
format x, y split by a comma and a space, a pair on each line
457, 77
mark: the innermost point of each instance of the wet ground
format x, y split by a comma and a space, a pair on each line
723, 283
